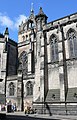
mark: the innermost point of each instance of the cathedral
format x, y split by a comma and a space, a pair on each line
40, 71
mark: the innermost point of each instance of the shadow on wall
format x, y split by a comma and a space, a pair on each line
48, 108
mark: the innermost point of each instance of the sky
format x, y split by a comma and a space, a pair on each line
13, 12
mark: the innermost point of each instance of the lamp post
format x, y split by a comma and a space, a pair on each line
21, 73
22, 106
42, 105
22, 68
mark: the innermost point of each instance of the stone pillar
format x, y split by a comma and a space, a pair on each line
29, 62
62, 66
36, 91
61, 71
20, 91
42, 69
30, 55
39, 87
3, 71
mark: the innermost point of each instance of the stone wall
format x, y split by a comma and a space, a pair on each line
12, 60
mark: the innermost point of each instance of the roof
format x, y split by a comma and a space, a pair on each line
1, 35
9, 40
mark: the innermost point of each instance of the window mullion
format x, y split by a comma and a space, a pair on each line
73, 47
54, 53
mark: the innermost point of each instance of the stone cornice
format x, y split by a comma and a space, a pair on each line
62, 21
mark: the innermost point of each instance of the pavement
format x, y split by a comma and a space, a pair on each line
46, 116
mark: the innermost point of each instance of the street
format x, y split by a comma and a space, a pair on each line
14, 117
22, 116
25, 118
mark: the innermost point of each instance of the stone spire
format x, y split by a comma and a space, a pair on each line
41, 19
41, 11
31, 12
6, 33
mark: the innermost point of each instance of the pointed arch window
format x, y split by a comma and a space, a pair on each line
11, 89
72, 41
23, 62
54, 47
29, 88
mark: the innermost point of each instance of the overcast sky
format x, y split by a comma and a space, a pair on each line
12, 12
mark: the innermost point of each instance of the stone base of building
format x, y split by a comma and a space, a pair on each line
2, 99
56, 109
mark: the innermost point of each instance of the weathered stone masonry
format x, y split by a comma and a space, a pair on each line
41, 70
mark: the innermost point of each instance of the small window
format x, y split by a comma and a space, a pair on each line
23, 38
31, 24
26, 37
11, 89
29, 88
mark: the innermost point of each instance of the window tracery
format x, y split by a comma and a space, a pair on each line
23, 62
54, 48
29, 88
72, 40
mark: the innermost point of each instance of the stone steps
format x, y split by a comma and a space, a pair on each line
53, 95
56, 109
72, 95
53, 104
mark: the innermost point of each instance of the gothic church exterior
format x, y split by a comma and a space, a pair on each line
41, 70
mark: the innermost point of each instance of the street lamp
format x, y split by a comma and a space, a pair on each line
42, 105
21, 74
22, 68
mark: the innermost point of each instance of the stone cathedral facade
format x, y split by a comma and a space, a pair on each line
40, 70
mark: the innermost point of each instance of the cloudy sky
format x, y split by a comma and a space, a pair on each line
13, 12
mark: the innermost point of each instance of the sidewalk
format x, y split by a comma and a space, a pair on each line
60, 117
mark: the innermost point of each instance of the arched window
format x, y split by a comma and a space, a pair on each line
23, 62
23, 37
72, 41
31, 24
54, 48
29, 88
11, 89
